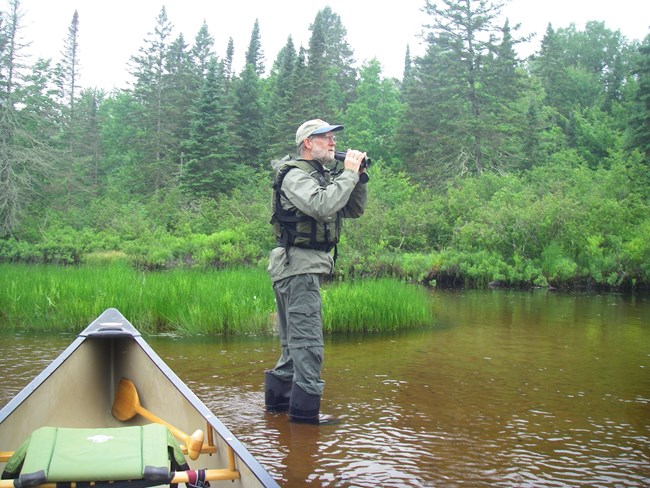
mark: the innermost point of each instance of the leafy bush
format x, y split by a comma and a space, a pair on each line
557, 267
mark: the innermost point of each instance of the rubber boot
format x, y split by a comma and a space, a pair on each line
305, 409
276, 393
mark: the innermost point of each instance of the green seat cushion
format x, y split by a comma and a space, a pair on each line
123, 453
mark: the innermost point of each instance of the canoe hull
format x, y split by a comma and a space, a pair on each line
78, 388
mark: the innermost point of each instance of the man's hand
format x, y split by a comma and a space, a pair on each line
353, 160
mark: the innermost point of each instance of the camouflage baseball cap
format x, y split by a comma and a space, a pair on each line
313, 127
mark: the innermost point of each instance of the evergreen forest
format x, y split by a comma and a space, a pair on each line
487, 168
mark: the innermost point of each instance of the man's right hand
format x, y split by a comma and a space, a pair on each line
353, 159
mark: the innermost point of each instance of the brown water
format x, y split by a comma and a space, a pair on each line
505, 389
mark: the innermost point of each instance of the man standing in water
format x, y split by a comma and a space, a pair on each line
309, 202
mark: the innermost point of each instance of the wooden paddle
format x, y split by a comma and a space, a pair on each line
127, 405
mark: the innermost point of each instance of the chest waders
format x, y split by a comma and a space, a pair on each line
295, 228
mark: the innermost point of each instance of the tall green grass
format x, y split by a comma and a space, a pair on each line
191, 302
375, 305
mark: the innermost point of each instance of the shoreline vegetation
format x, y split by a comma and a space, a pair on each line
554, 227
193, 302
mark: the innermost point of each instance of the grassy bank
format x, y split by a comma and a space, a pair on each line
192, 302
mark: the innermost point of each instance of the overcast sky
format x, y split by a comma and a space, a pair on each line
110, 32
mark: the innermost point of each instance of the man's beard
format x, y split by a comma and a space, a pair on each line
325, 156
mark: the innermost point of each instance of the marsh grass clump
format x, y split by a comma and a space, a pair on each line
191, 302
375, 305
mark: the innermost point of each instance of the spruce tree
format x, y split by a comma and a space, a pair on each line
302, 83
454, 97
550, 67
182, 81
429, 139
228, 59
330, 67
89, 149
407, 74
281, 121
254, 53
202, 51
249, 118
70, 68
210, 166
149, 69
505, 103
74, 170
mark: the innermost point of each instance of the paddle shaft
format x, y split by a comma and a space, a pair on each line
179, 434
193, 443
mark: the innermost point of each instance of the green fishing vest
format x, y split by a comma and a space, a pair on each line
295, 228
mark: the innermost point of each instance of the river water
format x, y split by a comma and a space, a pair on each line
510, 389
